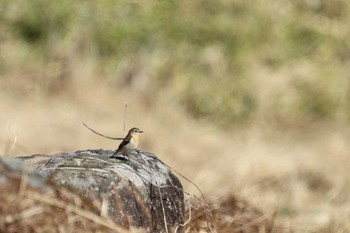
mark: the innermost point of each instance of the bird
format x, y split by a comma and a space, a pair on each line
129, 143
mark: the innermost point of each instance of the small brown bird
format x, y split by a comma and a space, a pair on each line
129, 143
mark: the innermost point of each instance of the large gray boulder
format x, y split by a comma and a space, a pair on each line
140, 192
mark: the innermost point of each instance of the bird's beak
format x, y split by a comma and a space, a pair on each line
140, 131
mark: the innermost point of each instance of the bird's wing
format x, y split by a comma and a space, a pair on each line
124, 143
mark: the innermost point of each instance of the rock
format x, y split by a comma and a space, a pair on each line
140, 192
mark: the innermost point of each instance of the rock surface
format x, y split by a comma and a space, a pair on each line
140, 192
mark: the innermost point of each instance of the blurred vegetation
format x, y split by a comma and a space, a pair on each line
219, 59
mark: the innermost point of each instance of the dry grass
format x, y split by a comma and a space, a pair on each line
298, 175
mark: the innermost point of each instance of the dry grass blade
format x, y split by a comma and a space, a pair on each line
229, 215
75, 209
203, 203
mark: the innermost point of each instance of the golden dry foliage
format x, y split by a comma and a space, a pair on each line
229, 214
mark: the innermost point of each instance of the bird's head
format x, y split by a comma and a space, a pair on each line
135, 131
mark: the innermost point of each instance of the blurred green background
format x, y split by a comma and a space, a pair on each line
225, 61
243, 97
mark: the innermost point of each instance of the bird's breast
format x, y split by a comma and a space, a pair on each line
134, 140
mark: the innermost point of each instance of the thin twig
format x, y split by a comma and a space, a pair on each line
125, 112
13, 144
189, 218
113, 138
188, 181
97, 159
206, 210
79, 169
